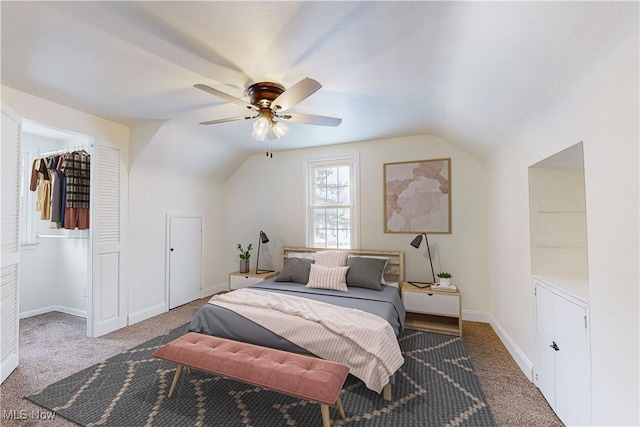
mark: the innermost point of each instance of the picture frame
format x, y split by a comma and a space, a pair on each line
417, 196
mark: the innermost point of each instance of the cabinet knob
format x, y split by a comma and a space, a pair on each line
555, 346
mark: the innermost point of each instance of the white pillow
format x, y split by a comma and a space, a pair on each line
333, 278
304, 255
332, 258
377, 257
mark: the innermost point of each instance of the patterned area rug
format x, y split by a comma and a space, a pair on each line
437, 386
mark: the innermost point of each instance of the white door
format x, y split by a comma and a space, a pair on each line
10, 243
573, 385
108, 228
185, 260
545, 354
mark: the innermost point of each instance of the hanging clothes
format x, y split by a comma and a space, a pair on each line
77, 168
46, 190
56, 192
41, 181
63, 197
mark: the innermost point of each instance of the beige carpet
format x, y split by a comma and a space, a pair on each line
54, 346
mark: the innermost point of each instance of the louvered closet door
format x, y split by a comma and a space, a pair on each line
109, 296
10, 243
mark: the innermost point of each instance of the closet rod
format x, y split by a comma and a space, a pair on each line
66, 150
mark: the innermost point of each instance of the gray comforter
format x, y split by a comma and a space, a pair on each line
218, 321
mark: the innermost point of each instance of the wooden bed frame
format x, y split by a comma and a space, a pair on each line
394, 271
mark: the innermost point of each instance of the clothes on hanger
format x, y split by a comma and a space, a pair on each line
77, 168
63, 185
56, 191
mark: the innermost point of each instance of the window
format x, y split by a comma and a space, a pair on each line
332, 196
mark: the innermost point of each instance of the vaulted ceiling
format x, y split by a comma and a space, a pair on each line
473, 73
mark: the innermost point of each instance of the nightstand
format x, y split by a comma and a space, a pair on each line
432, 310
239, 280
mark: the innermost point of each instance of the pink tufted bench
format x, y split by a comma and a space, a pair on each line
295, 374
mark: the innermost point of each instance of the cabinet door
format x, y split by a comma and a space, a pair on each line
545, 354
573, 392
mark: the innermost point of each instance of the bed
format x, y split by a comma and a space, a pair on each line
216, 318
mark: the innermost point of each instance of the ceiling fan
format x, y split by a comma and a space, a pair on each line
269, 101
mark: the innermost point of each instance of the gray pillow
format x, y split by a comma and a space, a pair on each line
295, 270
365, 272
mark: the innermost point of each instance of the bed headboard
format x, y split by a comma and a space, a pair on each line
394, 271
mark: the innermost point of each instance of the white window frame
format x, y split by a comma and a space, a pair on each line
354, 180
27, 197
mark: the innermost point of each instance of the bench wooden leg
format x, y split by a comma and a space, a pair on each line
341, 408
176, 377
386, 392
326, 420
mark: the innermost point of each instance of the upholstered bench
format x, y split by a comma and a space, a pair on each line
294, 374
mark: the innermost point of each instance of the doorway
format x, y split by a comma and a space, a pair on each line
55, 267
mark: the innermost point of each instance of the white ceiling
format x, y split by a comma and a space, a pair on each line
473, 73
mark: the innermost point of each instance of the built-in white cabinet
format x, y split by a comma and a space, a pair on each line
562, 365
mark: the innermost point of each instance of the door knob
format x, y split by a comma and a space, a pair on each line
171, 249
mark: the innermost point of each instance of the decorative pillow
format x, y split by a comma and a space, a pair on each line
332, 258
333, 278
295, 270
365, 272
384, 282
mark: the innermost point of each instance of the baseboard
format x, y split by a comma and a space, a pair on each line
147, 313
476, 316
49, 309
220, 287
521, 359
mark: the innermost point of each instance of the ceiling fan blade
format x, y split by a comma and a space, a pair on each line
311, 119
229, 119
225, 96
296, 93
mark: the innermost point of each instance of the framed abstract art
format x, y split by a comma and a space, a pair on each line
417, 197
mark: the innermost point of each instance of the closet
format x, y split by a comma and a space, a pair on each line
55, 259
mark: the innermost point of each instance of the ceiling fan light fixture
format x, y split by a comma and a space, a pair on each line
279, 129
260, 129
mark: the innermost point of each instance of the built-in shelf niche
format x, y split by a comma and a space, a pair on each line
558, 222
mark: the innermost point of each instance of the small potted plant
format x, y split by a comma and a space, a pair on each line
445, 278
245, 254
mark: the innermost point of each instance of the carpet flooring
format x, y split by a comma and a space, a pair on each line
437, 386
54, 346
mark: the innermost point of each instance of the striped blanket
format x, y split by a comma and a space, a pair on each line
364, 342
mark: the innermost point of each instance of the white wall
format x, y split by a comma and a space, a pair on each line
159, 184
268, 194
603, 112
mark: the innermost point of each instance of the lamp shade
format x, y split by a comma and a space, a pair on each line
264, 238
279, 129
260, 129
416, 241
